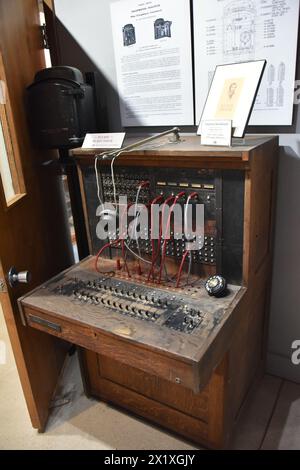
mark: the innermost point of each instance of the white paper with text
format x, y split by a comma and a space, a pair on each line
229, 31
152, 43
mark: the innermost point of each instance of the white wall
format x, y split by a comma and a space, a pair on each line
87, 24
285, 300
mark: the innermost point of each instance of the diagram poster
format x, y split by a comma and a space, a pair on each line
152, 43
230, 31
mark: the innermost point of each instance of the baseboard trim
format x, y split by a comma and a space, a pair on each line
283, 367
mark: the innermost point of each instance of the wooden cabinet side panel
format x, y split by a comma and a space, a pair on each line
260, 192
247, 351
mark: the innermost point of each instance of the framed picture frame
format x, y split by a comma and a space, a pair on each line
232, 94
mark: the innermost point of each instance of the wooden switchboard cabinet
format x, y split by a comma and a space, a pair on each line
191, 378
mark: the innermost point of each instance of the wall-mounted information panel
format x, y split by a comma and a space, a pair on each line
230, 31
153, 57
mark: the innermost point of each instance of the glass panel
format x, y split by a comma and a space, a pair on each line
43, 23
5, 171
10, 165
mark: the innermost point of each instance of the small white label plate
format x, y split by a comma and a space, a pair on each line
104, 141
216, 132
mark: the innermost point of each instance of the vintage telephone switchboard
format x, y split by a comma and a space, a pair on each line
156, 339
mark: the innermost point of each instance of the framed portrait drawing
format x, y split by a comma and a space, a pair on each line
232, 94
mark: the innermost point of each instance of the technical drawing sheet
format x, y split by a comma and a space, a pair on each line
153, 57
230, 31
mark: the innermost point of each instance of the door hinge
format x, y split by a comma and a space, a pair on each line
45, 41
3, 288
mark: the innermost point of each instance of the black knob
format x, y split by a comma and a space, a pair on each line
216, 286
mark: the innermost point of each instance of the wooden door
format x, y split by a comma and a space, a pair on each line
33, 224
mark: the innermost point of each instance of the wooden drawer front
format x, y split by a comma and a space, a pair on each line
155, 388
117, 348
163, 366
156, 412
77, 334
